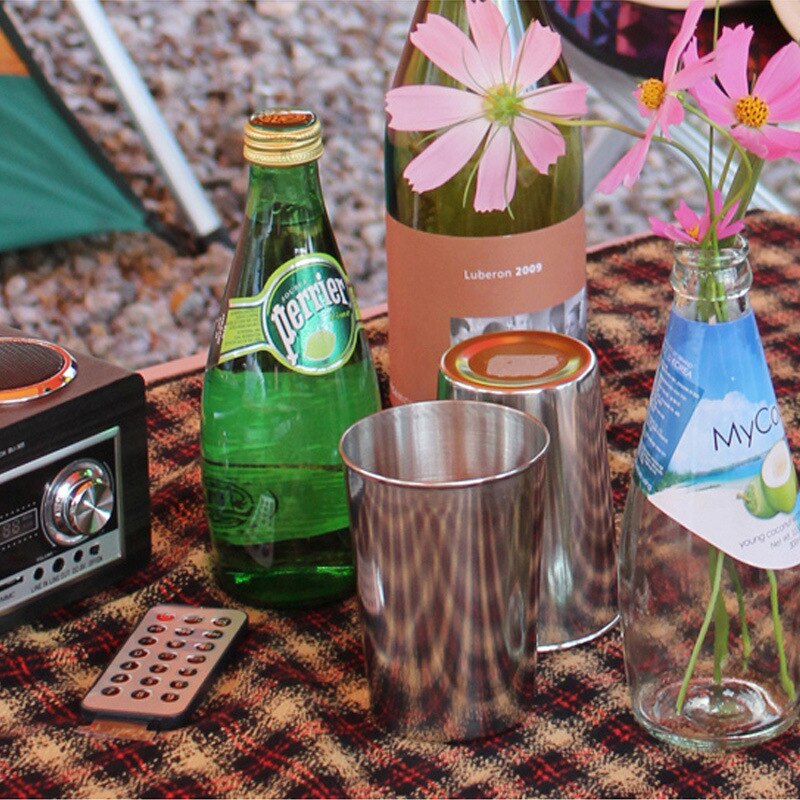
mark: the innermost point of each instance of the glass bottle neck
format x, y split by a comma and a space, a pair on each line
712, 286
292, 193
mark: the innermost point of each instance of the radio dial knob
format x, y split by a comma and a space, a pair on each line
90, 506
78, 503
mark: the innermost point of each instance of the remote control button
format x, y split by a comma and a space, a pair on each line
179, 684
129, 665
147, 641
119, 678
175, 644
164, 617
184, 631
156, 628
109, 691
140, 694
213, 634
138, 652
166, 656
158, 668
196, 659
221, 622
170, 697
187, 671
148, 680
193, 619
204, 646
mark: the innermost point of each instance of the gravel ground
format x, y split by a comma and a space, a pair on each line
130, 298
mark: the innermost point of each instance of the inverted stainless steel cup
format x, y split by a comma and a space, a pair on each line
446, 507
555, 379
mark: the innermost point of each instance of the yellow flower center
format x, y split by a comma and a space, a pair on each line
752, 111
694, 231
652, 92
502, 104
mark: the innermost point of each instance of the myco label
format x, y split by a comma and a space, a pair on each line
305, 316
713, 454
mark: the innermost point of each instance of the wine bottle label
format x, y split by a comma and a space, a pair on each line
713, 454
443, 289
306, 316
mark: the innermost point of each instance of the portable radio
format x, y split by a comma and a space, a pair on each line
74, 496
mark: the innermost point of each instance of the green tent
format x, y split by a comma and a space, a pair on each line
55, 182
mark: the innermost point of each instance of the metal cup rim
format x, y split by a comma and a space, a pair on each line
448, 484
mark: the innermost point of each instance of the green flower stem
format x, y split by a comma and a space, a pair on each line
715, 589
747, 645
786, 682
721, 623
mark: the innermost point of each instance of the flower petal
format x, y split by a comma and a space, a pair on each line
661, 228
538, 52
671, 112
690, 75
426, 108
561, 99
732, 49
627, 170
497, 172
540, 141
451, 50
752, 139
490, 34
780, 141
779, 84
688, 25
714, 102
445, 156
685, 216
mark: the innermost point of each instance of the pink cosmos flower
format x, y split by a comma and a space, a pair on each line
693, 229
753, 116
495, 110
656, 99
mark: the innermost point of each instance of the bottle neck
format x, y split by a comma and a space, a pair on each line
712, 286
293, 194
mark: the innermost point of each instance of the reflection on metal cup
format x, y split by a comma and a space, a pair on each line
446, 508
555, 379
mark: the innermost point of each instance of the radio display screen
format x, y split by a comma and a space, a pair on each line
18, 525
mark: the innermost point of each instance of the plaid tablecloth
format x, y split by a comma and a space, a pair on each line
289, 716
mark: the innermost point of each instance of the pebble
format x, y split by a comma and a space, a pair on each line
132, 298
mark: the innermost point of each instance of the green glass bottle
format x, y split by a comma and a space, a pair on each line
288, 371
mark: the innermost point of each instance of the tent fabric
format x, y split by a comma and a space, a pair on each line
55, 183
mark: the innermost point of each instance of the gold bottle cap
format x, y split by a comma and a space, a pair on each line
282, 137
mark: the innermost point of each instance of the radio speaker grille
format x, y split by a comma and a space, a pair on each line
30, 368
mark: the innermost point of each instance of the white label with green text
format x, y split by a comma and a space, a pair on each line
305, 315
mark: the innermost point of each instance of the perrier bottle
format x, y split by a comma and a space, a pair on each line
288, 371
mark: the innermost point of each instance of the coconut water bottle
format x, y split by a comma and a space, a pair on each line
288, 370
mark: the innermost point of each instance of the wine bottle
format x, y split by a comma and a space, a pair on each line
454, 271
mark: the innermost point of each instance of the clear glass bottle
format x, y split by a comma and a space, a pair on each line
454, 272
288, 371
708, 576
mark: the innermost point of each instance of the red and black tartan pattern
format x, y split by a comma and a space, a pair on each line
288, 717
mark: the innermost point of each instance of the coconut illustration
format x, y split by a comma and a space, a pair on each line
779, 478
755, 500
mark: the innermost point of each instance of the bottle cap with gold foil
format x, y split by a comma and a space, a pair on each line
282, 138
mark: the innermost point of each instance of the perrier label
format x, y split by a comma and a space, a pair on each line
305, 316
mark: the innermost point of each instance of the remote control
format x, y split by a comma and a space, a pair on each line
160, 672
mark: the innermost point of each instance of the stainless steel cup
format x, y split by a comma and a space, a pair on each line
446, 508
555, 379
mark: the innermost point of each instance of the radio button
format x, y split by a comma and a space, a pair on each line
78, 502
